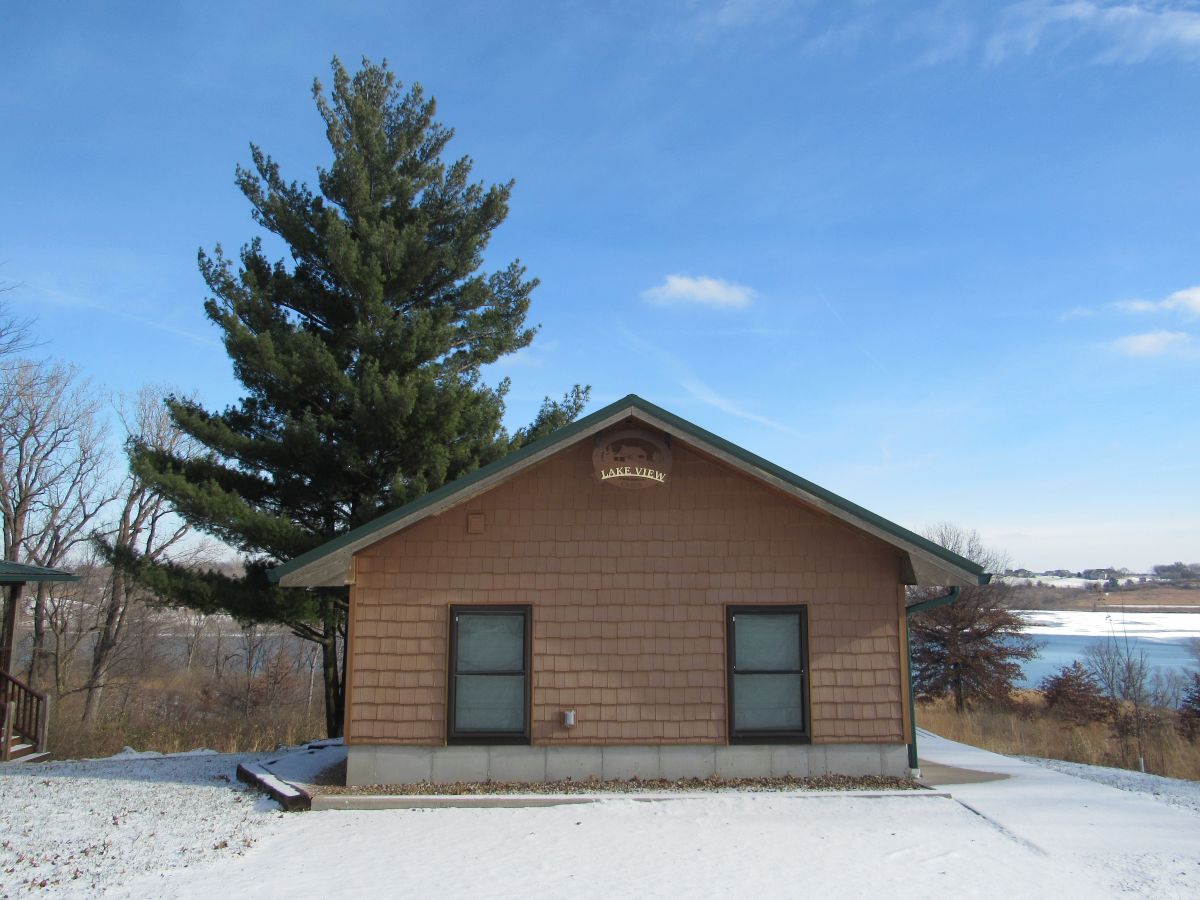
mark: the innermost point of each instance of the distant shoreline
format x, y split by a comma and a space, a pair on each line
1141, 598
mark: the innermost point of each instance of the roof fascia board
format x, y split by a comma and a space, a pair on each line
21, 573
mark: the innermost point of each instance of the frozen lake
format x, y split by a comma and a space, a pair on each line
1165, 637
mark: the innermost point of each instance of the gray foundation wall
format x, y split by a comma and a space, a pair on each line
389, 764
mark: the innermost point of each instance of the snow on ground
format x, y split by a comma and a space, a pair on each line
79, 827
305, 764
175, 827
1061, 581
1132, 842
1162, 626
1174, 791
761, 846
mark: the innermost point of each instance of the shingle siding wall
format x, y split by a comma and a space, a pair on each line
628, 590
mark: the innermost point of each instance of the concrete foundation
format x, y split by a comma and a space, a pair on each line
390, 764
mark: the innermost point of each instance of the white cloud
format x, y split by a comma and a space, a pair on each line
1126, 32
1136, 306
1186, 301
702, 291
1152, 343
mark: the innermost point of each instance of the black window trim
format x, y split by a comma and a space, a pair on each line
487, 737
767, 736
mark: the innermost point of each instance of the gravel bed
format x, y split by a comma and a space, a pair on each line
631, 786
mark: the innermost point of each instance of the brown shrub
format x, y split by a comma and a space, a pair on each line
1074, 695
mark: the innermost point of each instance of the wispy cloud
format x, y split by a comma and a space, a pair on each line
62, 298
1186, 301
940, 33
1122, 32
697, 389
735, 13
702, 291
1079, 312
709, 397
1152, 343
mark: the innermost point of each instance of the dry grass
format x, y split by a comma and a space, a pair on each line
1061, 598
1026, 730
178, 714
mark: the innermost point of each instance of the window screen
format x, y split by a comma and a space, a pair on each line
767, 673
489, 678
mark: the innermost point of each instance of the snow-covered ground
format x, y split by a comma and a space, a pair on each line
176, 827
1062, 581
1175, 791
80, 827
1160, 626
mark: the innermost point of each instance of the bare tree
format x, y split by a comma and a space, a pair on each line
970, 649
195, 626
71, 619
146, 527
1124, 673
53, 469
15, 336
1122, 670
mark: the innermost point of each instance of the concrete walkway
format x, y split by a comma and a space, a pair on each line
940, 775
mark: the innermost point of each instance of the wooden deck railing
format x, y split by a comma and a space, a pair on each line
23, 712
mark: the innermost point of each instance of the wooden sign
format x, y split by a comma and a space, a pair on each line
631, 458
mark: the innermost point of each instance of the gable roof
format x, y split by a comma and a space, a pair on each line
20, 573
928, 563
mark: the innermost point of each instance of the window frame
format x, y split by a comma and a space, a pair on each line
765, 735
453, 735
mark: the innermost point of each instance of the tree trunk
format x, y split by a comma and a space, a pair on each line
105, 642
40, 656
334, 699
8, 627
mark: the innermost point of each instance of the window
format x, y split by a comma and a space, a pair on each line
768, 678
489, 674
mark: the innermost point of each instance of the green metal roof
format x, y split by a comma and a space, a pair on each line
631, 405
20, 573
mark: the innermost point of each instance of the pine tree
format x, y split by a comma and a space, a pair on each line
360, 358
1188, 722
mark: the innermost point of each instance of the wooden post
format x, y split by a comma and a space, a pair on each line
43, 723
8, 637
10, 715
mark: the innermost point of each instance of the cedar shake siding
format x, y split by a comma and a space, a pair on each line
628, 591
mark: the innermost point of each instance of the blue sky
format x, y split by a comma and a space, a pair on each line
941, 259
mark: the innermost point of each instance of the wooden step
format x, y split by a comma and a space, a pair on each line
30, 756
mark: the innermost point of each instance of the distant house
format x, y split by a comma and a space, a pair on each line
630, 595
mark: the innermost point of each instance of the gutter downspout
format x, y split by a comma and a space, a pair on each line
923, 606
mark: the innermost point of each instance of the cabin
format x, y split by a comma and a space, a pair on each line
629, 596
